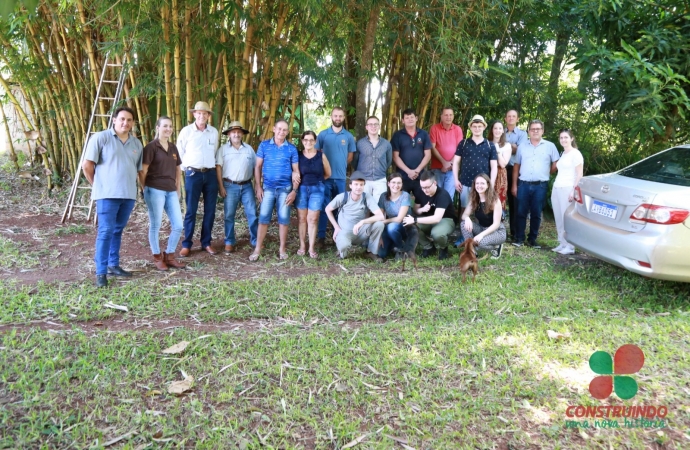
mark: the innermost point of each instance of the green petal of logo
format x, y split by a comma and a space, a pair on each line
628, 359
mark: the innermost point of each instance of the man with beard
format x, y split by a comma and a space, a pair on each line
339, 146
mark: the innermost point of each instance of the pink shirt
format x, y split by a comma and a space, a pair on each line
446, 142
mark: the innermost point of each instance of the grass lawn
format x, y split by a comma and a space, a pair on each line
374, 360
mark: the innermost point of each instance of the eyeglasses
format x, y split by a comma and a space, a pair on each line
308, 140
426, 188
413, 142
374, 125
535, 129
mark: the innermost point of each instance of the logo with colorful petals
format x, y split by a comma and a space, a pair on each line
628, 360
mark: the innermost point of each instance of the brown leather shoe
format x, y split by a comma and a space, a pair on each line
170, 260
159, 262
210, 250
184, 252
229, 249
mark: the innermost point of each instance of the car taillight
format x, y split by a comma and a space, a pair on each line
577, 195
646, 213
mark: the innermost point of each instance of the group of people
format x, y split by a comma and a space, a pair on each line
387, 211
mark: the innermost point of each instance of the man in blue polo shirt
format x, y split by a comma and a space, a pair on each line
277, 162
535, 161
111, 162
411, 150
516, 137
339, 146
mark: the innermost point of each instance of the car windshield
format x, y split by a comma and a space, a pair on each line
668, 167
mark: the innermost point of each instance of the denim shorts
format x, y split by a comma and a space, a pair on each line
310, 197
275, 197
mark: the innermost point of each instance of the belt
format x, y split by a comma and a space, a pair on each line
239, 183
200, 170
531, 182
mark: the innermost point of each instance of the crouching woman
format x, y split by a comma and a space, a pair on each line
487, 230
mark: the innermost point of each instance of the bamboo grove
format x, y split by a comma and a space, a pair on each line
259, 60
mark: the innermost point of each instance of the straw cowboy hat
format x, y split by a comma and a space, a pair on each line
202, 106
235, 125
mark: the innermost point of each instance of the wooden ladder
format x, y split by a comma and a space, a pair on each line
99, 110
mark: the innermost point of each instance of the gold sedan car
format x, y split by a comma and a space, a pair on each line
637, 218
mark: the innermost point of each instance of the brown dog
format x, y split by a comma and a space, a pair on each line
468, 260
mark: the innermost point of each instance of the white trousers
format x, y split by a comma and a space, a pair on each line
559, 201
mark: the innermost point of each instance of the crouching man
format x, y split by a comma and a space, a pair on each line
359, 219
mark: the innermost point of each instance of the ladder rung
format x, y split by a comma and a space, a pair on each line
102, 115
114, 65
80, 206
83, 187
106, 98
110, 81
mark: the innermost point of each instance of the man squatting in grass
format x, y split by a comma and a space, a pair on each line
359, 219
111, 164
435, 216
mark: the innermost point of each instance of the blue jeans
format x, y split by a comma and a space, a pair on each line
393, 236
234, 193
113, 214
331, 189
197, 183
530, 198
310, 197
446, 181
275, 197
157, 201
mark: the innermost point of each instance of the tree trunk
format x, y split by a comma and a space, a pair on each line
365, 64
551, 113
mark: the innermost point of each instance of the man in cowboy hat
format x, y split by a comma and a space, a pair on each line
197, 144
478, 155
234, 169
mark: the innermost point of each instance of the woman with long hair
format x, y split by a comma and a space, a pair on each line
504, 151
160, 179
395, 203
488, 231
570, 168
313, 169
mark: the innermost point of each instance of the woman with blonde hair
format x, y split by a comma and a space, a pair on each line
160, 179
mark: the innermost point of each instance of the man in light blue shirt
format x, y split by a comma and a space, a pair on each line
339, 146
111, 162
535, 161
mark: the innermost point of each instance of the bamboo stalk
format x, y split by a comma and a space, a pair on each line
13, 154
188, 62
169, 109
175, 111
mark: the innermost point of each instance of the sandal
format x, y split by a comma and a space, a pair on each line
254, 256
300, 252
283, 256
313, 255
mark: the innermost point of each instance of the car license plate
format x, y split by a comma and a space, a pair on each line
604, 209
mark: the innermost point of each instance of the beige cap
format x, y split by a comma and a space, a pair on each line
477, 118
202, 106
235, 125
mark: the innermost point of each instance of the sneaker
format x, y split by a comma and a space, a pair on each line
428, 252
443, 254
496, 253
101, 281
568, 250
533, 244
460, 241
558, 249
373, 257
118, 271
517, 244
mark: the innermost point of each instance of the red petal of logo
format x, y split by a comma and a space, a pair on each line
628, 359
601, 387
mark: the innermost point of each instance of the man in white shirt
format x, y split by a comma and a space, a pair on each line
234, 170
197, 144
